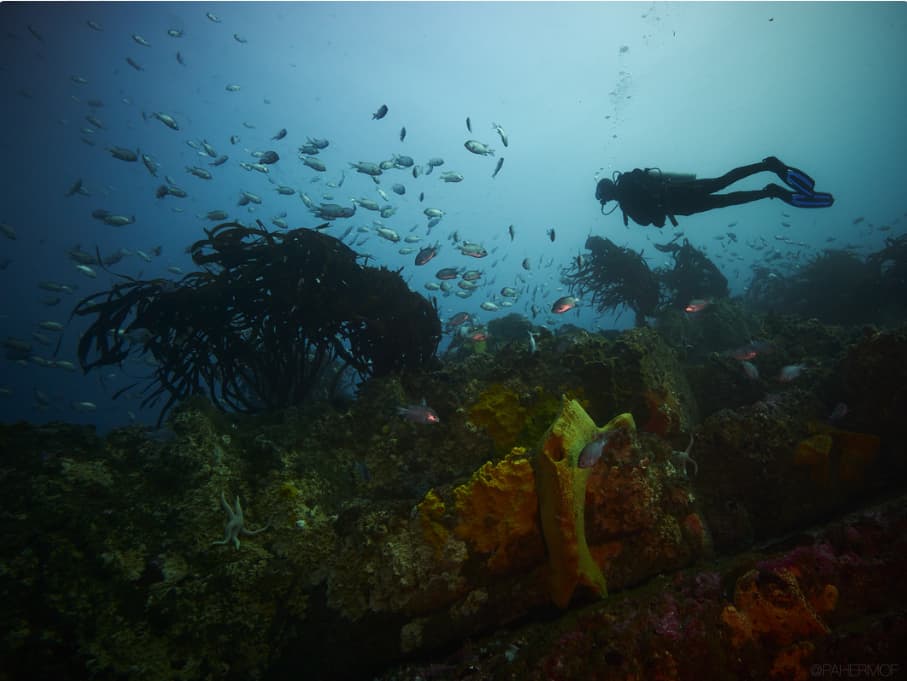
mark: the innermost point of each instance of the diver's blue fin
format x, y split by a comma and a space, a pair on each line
811, 200
799, 181
792, 177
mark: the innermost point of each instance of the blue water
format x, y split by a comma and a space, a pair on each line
582, 90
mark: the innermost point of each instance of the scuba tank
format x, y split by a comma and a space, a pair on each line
673, 178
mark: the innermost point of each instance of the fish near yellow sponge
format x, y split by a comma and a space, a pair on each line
561, 486
497, 513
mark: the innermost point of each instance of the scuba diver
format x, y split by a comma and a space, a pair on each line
648, 196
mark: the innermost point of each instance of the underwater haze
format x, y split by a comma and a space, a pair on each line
580, 90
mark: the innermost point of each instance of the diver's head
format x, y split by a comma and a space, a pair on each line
605, 191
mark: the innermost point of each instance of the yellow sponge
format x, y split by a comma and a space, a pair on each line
561, 487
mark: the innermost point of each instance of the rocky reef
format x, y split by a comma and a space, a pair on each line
728, 528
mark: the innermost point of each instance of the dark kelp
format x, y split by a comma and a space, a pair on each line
838, 286
611, 276
693, 276
262, 321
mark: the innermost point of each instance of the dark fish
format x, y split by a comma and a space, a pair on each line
314, 164
838, 413
421, 196
34, 32
123, 154
468, 124
115, 257
551, 234
76, 186
511, 231
403, 133
329, 211
269, 157
459, 318
79, 256
564, 304
749, 351
380, 113
179, 58
150, 164
426, 254
497, 168
133, 64
447, 273
280, 134
419, 413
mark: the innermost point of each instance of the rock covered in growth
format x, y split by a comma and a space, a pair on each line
407, 539
837, 595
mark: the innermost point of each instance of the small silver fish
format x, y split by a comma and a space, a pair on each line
592, 452
477, 147
497, 128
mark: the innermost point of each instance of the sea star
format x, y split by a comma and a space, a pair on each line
235, 524
684, 457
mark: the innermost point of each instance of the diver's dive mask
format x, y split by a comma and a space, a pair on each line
606, 191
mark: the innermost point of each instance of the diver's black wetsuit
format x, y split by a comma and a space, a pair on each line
648, 196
